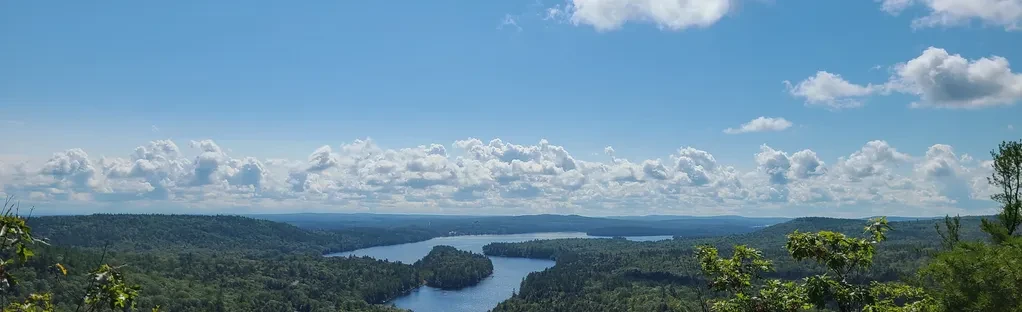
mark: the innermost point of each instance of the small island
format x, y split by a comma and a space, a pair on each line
446, 267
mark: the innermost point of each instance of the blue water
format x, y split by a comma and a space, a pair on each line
507, 272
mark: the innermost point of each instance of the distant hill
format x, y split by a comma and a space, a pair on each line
600, 226
903, 228
901, 219
753, 220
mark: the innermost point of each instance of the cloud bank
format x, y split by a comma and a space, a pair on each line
498, 177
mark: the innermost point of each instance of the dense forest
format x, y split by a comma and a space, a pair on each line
446, 267
234, 263
216, 263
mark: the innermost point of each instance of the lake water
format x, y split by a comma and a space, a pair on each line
507, 272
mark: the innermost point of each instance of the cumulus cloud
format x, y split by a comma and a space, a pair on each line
321, 159
782, 168
945, 80
937, 78
761, 124
500, 177
606, 15
72, 167
1001, 13
940, 161
830, 90
874, 159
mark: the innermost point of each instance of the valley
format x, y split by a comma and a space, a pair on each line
234, 263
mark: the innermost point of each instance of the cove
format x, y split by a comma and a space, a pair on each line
508, 273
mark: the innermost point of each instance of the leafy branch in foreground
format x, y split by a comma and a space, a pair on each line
840, 254
107, 289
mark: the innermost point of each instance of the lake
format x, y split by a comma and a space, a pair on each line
507, 272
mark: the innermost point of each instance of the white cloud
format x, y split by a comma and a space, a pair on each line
761, 124
72, 168
938, 78
830, 90
874, 159
1001, 13
501, 177
944, 80
781, 168
940, 161
606, 15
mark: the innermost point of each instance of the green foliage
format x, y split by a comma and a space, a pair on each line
34, 303
446, 267
15, 243
734, 274
898, 297
840, 254
109, 289
978, 277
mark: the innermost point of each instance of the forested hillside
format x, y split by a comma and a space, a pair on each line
217, 263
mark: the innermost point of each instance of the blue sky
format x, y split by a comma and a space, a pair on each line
275, 81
